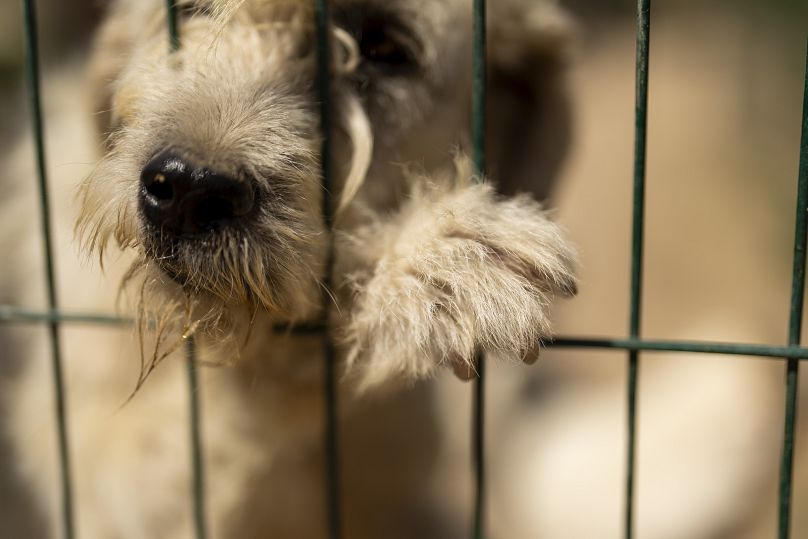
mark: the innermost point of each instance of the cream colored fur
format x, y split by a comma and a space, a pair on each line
431, 268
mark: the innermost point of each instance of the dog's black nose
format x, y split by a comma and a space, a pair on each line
185, 198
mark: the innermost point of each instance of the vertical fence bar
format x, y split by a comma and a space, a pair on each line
173, 26
479, 85
795, 324
321, 16
195, 429
637, 244
32, 69
478, 139
197, 466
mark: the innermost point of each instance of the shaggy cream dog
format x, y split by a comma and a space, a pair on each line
210, 194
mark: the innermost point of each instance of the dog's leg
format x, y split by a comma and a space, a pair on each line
458, 270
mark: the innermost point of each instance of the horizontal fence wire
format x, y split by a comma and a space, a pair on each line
332, 478
637, 245
32, 70
22, 315
478, 128
18, 315
697, 347
194, 408
795, 325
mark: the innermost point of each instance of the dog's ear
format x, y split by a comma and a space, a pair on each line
529, 113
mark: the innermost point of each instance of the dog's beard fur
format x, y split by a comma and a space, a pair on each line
216, 283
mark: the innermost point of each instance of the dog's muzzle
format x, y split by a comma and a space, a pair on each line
184, 199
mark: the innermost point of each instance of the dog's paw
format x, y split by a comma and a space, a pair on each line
454, 275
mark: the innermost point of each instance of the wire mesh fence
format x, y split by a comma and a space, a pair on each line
53, 317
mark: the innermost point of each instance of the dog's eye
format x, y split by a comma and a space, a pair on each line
387, 45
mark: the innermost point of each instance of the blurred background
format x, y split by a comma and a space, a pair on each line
725, 90
726, 82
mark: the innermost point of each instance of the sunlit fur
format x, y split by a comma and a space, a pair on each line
430, 267
239, 96
478, 261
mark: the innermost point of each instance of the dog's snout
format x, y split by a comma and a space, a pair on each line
186, 198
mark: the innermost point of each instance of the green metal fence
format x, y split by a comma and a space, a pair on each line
791, 353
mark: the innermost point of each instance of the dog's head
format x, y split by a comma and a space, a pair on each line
212, 171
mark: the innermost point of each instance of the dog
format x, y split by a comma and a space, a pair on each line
208, 207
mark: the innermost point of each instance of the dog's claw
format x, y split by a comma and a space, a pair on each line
467, 370
532, 355
464, 370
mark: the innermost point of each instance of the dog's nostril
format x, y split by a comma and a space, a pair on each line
160, 188
212, 211
184, 198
